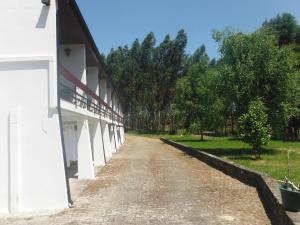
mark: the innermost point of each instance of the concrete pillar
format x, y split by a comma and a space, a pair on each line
119, 136
97, 145
122, 133
106, 139
112, 138
117, 139
85, 159
70, 142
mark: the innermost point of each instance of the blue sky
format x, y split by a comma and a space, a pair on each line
118, 22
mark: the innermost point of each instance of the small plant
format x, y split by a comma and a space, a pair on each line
254, 126
196, 128
290, 193
287, 183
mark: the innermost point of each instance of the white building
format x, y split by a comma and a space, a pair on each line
58, 108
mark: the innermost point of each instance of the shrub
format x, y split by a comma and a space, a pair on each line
254, 127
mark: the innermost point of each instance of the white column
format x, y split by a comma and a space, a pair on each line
85, 159
70, 143
122, 135
117, 139
98, 145
106, 139
112, 138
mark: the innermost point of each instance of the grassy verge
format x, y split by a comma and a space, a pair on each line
273, 161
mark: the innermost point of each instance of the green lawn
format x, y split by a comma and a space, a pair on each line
273, 160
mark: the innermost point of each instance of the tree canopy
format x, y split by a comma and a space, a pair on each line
164, 88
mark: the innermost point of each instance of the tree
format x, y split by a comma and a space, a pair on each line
146, 76
253, 66
196, 98
284, 27
254, 126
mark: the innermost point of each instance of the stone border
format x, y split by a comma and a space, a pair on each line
266, 186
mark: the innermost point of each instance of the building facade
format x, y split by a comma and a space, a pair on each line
60, 115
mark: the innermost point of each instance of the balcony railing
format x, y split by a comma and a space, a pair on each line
71, 95
85, 98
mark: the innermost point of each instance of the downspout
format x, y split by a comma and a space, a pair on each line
59, 106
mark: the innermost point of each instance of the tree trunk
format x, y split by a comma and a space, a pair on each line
295, 133
232, 125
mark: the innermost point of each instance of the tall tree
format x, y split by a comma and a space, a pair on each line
284, 27
253, 66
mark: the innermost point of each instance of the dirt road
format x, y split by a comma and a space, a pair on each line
148, 182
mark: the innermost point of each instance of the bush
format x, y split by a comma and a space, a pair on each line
254, 126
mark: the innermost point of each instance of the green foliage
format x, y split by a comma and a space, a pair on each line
253, 66
146, 75
196, 97
162, 87
284, 27
254, 126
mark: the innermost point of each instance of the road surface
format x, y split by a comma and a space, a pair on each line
148, 182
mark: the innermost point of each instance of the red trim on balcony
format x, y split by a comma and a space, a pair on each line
73, 79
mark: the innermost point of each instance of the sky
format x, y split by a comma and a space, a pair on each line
116, 23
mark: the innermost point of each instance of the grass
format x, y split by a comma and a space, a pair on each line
273, 160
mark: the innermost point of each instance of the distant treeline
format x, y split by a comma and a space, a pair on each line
165, 89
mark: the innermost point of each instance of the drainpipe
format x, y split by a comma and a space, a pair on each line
59, 107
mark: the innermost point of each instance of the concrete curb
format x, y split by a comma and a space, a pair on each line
266, 186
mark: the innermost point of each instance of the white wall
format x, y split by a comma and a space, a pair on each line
37, 164
92, 79
31, 159
103, 90
74, 63
28, 28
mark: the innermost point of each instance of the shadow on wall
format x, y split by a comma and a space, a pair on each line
42, 21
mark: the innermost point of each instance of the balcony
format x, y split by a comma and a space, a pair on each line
77, 93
